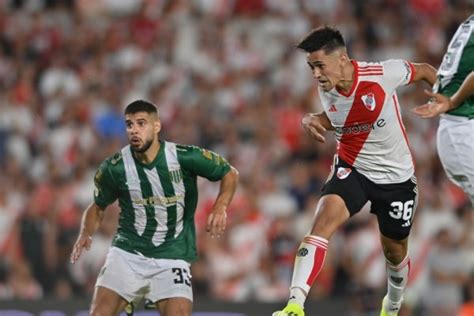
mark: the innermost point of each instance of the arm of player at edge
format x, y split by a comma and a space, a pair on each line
90, 222
425, 72
440, 103
216, 220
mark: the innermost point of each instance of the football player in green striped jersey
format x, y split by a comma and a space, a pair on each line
453, 98
155, 183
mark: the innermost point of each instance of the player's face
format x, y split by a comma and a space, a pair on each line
327, 68
142, 130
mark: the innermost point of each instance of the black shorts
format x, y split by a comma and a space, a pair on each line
394, 204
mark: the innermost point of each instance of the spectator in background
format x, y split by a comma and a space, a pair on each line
448, 273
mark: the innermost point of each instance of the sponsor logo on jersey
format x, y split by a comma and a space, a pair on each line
152, 200
343, 173
360, 128
332, 108
369, 101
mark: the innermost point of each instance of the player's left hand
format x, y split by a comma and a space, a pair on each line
84, 241
216, 222
437, 105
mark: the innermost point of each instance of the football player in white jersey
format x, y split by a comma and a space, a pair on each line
373, 161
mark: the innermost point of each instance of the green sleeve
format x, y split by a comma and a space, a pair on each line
105, 191
205, 163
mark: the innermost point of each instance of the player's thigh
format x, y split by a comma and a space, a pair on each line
178, 306
331, 213
456, 152
343, 195
119, 275
172, 282
394, 205
106, 302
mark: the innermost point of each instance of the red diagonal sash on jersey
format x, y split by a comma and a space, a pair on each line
360, 115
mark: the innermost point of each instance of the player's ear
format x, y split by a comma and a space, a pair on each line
344, 58
157, 126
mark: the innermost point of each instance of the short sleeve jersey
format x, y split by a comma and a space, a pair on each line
369, 130
158, 200
457, 64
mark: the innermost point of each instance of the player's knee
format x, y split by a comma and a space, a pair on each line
323, 227
394, 252
394, 257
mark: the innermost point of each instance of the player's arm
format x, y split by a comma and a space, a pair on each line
316, 124
216, 220
90, 222
105, 193
440, 103
424, 71
208, 164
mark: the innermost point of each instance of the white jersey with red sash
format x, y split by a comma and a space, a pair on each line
370, 133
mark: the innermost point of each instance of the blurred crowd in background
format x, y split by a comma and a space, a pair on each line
226, 76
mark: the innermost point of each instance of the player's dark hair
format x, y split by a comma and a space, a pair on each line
141, 106
325, 38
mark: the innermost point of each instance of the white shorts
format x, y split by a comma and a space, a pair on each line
456, 150
133, 277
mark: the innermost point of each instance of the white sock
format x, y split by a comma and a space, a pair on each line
397, 278
308, 264
297, 296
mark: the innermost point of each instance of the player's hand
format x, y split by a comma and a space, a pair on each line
312, 124
438, 104
216, 222
83, 241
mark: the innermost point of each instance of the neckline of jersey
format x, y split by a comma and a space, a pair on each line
152, 164
355, 80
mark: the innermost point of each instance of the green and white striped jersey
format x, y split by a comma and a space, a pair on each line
158, 200
458, 63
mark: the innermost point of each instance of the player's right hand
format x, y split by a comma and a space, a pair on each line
312, 124
216, 222
438, 104
83, 241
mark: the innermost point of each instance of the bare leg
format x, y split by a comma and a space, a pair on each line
106, 302
175, 306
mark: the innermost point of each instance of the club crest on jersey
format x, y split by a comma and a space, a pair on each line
176, 175
343, 173
369, 101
